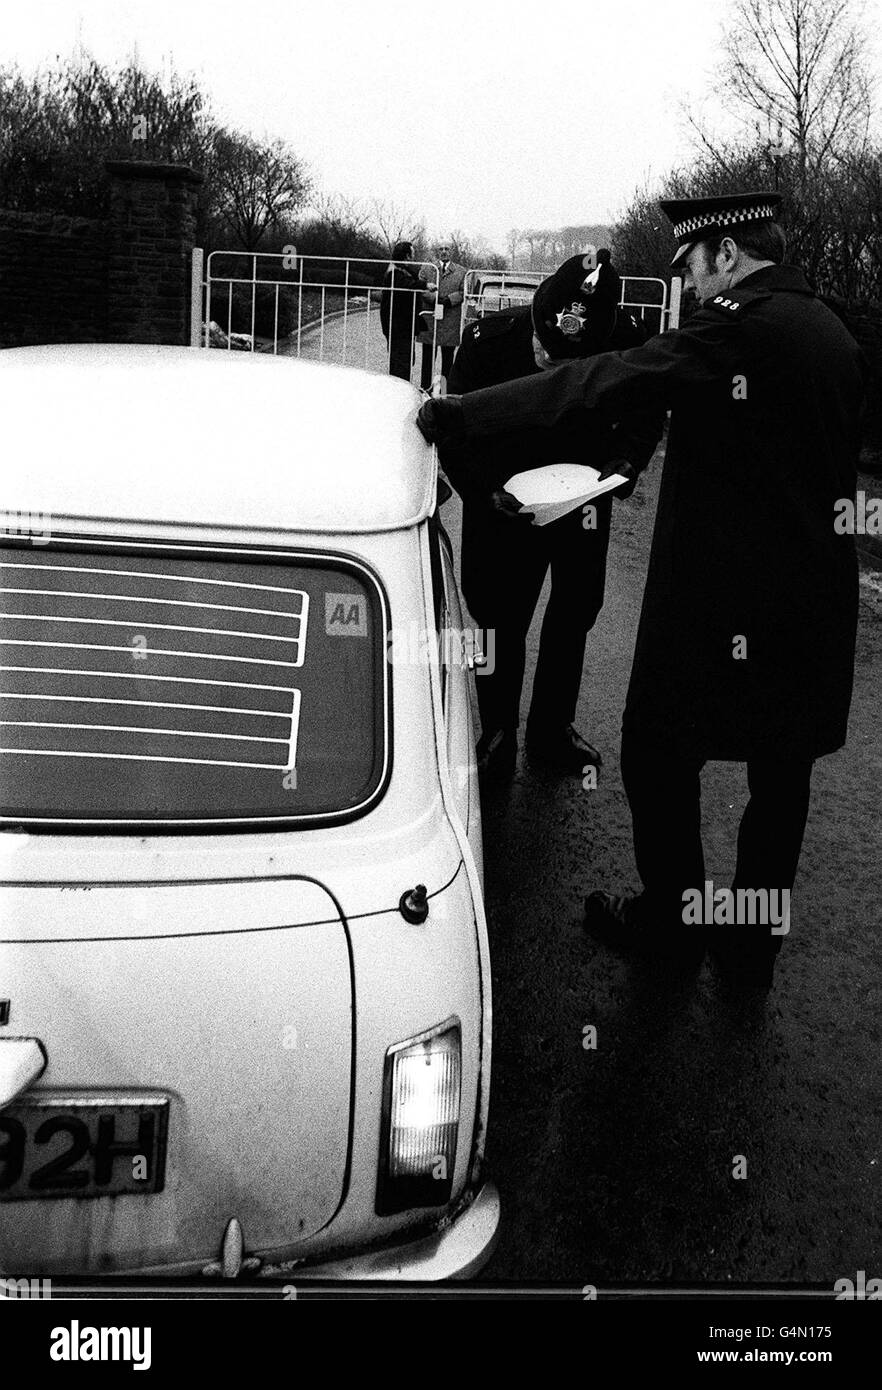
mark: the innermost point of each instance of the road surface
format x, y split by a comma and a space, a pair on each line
353, 340
616, 1164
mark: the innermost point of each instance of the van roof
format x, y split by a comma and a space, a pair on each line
188, 436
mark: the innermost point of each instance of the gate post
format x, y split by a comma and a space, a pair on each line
150, 236
676, 295
196, 334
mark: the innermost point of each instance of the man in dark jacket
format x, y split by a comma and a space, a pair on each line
745, 648
505, 559
401, 300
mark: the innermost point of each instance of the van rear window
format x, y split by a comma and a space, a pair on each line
163, 687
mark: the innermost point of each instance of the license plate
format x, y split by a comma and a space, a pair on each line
83, 1146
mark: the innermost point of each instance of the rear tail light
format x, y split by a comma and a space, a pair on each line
421, 1100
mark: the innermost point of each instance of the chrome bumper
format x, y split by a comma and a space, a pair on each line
457, 1251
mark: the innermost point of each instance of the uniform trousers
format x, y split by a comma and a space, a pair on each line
400, 354
447, 354
504, 565
664, 794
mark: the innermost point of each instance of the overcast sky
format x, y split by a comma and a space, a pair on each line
480, 116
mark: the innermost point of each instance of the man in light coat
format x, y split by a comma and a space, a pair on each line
448, 277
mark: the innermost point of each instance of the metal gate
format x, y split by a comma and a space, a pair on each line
651, 297
334, 308
487, 291
352, 311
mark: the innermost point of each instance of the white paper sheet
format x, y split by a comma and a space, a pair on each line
553, 491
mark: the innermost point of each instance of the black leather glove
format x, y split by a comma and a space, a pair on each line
506, 504
441, 419
627, 470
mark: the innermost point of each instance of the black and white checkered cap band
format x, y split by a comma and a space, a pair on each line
757, 212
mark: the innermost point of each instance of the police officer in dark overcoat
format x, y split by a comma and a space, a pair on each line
745, 647
505, 559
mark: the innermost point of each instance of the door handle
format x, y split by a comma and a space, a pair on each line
22, 1061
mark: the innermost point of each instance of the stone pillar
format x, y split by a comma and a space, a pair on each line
150, 237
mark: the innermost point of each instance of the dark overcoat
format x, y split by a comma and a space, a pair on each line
499, 348
401, 301
745, 646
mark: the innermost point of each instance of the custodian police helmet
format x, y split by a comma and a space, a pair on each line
564, 319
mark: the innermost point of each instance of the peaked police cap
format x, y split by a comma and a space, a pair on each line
694, 219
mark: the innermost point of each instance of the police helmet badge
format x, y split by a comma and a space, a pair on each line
571, 322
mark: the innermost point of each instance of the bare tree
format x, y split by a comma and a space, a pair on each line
261, 185
395, 222
642, 240
800, 67
538, 240
574, 239
339, 211
473, 252
336, 226
832, 217
422, 246
58, 127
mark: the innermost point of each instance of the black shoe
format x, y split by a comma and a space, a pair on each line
624, 922
497, 752
562, 748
